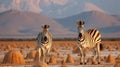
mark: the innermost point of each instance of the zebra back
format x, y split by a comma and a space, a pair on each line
95, 34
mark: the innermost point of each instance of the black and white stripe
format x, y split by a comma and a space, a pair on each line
95, 34
44, 43
88, 39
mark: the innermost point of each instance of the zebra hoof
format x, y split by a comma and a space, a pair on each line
98, 62
85, 63
81, 63
47, 62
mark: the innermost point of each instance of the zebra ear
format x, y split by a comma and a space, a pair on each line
83, 22
78, 22
45, 26
48, 26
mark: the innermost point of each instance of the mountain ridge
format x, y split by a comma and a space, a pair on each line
27, 23
93, 19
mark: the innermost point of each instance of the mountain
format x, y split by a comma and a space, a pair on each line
106, 23
15, 23
117, 16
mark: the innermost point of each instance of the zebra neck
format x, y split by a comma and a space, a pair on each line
82, 31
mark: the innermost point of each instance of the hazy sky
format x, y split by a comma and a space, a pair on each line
56, 7
111, 6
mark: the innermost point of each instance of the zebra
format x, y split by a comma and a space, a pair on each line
90, 39
44, 43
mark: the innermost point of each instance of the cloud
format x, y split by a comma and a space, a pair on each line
59, 2
22, 5
91, 7
30, 5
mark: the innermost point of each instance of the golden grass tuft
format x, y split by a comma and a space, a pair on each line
76, 50
13, 57
63, 63
59, 55
70, 59
42, 64
54, 49
118, 57
117, 64
8, 47
53, 59
36, 59
31, 55
110, 59
110, 48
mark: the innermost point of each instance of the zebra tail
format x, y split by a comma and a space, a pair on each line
101, 47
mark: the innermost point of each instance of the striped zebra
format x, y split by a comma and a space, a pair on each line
44, 42
90, 39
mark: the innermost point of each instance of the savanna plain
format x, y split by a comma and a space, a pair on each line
64, 53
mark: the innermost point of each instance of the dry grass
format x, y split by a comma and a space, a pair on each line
31, 55
6, 45
56, 44
57, 47
13, 57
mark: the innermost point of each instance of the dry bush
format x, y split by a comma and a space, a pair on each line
59, 55
63, 63
91, 60
13, 57
43, 64
54, 49
70, 59
31, 55
8, 47
109, 48
118, 48
118, 57
36, 59
102, 59
22, 51
14, 45
53, 59
117, 64
110, 59
76, 50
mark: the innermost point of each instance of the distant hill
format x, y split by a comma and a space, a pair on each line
107, 24
19, 24
14, 23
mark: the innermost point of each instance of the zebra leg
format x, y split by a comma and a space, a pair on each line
85, 61
98, 52
47, 58
39, 54
95, 54
81, 56
43, 58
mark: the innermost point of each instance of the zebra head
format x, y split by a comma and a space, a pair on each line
80, 29
45, 35
80, 26
45, 28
